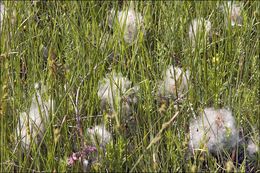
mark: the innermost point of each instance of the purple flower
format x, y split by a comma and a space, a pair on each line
71, 161
89, 148
86, 150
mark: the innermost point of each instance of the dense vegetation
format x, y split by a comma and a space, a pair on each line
70, 44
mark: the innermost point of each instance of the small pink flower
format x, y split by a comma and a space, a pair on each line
71, 161
74, 156
86, 150
89, 148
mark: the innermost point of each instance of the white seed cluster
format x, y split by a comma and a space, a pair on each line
253, 146
129, 22
31, 126
214, 129
99, 136
115, 91
2, 14
175, 82
199, 30
232, 12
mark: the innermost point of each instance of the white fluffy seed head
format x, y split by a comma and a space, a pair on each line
253, 144
31, 126
252, 148
232, 12
129, 22
2, 14
175, 81
115, 91
215, 129
99, 136
199, 30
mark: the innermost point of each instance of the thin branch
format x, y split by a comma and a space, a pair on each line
87, 117
8, 53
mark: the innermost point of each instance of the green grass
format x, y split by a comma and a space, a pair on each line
75, 33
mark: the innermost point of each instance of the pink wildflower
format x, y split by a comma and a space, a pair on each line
74, 157
85, 152
71, 161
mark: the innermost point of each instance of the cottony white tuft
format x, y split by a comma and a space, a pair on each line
175, 81
214, 129
199, 30
129, 22
99, 136
31, 126
253, 146
2, 14
232, 12
115, 91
